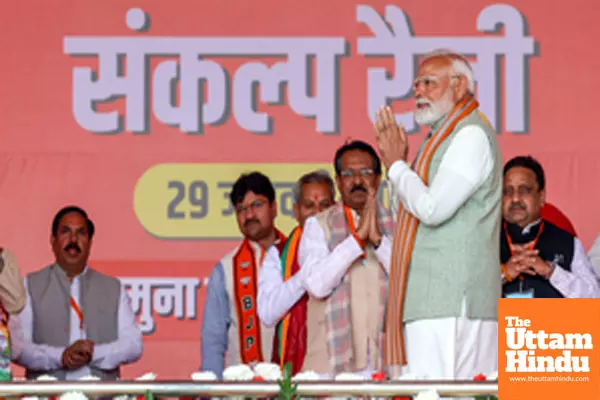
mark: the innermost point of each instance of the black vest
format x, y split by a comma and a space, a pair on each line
554, 244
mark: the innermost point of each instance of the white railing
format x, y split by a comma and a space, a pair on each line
249, 389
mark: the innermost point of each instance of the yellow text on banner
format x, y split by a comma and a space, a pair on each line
191, 201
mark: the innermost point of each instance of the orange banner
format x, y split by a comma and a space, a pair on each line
547, 351
145, 113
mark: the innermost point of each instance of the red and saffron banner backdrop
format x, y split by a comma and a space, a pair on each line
144, 113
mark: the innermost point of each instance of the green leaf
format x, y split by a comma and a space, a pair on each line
287, 388
148, 395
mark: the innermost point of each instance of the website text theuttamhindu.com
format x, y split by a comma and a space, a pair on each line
530, 378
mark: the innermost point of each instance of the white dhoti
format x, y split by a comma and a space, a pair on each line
451, 348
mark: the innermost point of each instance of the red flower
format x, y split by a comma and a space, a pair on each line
480, 377
378, 376
258, 379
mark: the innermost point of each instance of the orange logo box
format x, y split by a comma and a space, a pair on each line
548, 349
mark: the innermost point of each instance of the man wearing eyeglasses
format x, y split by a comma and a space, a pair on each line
231, 331
344, 256
444, 281
539, 259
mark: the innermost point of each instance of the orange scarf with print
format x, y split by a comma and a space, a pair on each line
245, 284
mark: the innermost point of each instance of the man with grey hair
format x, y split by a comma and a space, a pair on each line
444, 280
282, 299
313, 193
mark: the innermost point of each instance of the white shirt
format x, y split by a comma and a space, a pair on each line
320, 271
465, 166
594, 255
276, 297
126, 349
581, 281
323, 270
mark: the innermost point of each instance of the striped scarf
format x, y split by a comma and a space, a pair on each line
405, 233
5, 352
290, 338
337, 310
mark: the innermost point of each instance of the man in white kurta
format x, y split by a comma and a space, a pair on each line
77, 321
282, 299
344, 256
444, 281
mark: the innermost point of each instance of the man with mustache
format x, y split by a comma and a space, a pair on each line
77, 321
444, 281
539, 259
344, 256
282, 298
231, 330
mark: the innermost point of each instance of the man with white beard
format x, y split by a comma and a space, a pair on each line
445, 275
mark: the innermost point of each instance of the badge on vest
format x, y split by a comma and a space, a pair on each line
245, 280
527, 294
559, 259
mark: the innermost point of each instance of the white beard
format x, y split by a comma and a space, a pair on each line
436, 110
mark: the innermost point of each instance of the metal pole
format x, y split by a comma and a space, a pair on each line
258, 389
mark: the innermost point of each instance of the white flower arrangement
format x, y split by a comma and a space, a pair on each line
204, 376
409, 377
240, 372
39, 378
492, 376
80, 396
306, 376
149, 376
73, 396
262, 371
268, 371
349, 376
89, 378
243, 372
428, 395
46, 378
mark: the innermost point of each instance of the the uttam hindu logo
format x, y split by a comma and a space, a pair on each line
526, 347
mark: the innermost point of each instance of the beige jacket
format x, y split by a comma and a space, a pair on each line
12, 288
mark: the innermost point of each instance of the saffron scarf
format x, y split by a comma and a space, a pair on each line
245, 283
405, 233
290, 338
